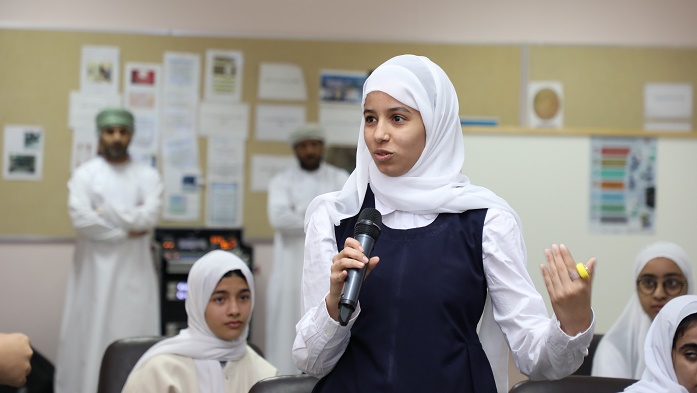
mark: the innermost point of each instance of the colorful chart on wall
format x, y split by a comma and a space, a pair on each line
623, 185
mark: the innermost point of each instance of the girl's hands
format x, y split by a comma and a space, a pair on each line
570, 297
351, 257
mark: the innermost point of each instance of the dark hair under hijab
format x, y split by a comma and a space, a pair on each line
687, 322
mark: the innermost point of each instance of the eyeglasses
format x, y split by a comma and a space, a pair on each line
671, 287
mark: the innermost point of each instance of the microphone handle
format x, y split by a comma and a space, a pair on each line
349, 299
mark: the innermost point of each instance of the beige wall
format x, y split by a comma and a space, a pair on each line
604, 22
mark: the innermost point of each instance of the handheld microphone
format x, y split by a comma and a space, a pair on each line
366, 231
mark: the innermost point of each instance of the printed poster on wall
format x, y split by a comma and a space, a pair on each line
179, 94
99, 70
341, 87
84, 146
225, 182
224, 75
623, 185
340, 105
23, 152
142, 87
281, 81
142, 97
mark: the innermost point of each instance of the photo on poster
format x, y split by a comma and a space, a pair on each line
22, 164
33, 140
142, 77
189, 183
223, 75
141, 86
100, 72
23, 151
99, 69
341, 87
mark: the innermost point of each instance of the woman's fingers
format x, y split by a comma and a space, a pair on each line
547, 276
560, 273
564, 263
591, 266
371, 265
351, 257
552, 268
561, 265
573, 267
568, 292
353, 249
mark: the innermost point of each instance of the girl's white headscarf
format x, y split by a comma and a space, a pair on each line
659, 376
620, 352
435, 184
198, 341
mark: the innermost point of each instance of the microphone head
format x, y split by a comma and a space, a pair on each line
369, 222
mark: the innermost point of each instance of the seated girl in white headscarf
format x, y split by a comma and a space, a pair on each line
662, 272
211, 355
671, 350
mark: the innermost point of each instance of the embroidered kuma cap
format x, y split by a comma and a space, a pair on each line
114, 117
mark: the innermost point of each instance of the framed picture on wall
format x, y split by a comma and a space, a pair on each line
545, 105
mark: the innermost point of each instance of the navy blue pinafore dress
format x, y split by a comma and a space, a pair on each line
419, 311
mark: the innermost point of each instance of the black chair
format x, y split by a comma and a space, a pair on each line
587, 364
574, 384
122, 355
119, 359
302, 383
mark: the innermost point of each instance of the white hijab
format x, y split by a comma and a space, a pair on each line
659, 376
620, 353
435, 184
198, 341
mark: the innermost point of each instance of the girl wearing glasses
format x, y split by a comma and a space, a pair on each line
662, 272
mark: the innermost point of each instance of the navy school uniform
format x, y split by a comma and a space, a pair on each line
419, 311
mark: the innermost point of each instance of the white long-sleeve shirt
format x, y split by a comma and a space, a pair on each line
540, 348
